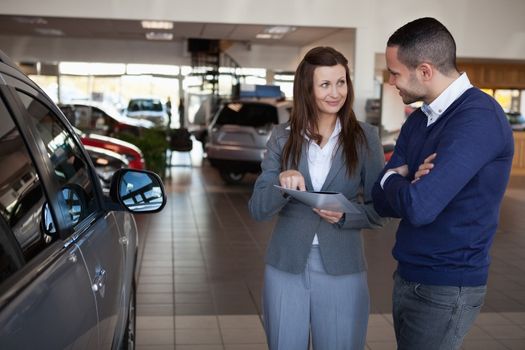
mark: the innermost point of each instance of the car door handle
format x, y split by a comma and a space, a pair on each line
123, 240
99, 282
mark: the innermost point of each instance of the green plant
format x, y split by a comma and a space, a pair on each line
153, 145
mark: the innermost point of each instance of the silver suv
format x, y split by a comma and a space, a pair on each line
67, 252
238, 134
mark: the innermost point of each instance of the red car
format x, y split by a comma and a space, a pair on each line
388, 150
132, 153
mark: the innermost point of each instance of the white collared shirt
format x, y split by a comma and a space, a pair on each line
436, 108
320, 160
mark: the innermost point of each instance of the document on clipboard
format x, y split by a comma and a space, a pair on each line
333, 201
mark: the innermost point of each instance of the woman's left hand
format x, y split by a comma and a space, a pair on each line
332, 217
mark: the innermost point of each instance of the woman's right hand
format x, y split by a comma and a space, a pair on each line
292, 179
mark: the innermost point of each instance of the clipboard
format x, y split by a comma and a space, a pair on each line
333, 201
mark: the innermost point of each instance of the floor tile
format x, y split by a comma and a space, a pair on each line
155, 337
504, 332
198, 336
245, 347
239, 321
155, 322
198, 347
483, 345
513, 344
198, 322
381, 345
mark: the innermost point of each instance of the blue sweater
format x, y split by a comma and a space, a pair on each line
449, 217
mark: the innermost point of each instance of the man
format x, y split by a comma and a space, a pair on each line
445, 180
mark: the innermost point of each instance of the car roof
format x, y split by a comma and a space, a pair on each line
112, 112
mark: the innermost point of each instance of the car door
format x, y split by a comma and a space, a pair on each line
96, 232
46, 299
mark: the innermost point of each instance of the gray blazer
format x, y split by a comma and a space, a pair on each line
341, 245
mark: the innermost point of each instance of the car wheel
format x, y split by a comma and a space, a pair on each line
128, 341
231, 177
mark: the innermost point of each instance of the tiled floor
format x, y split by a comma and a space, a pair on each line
201, 265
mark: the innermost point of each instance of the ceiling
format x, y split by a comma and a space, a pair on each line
88, 28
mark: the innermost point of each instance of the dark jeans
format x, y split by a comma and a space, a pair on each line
433, 317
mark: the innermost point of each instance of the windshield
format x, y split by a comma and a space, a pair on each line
251, 114
145, 105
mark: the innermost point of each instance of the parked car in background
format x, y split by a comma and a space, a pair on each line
131, 152
67, 252
102, 119
238, 134
150, 109
388, 151
516, 120
106, 164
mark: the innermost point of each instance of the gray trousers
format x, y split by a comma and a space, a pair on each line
333, 308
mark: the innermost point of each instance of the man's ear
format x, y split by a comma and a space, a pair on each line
426, 71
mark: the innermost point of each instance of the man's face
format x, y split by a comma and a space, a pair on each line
403, 78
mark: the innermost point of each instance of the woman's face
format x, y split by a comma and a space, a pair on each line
330, 89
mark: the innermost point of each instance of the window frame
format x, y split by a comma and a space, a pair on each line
44, 165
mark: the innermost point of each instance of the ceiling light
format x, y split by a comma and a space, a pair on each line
30, 20
157, 25
263, 36
269, 36
49, 31
279, 30
159, 36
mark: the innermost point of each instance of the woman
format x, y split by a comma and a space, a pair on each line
315, 276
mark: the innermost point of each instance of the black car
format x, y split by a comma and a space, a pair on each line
67, 251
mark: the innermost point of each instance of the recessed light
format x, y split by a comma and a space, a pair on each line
31, 20
159, 36
279, 30
49, 31
263, 36
269, 36
157, 24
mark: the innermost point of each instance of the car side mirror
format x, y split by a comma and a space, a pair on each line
139, 191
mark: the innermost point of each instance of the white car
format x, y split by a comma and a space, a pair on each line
151, 109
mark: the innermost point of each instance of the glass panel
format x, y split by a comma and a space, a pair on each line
71, 168
21, 194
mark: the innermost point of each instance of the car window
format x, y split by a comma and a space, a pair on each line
70, 167
145, 105
256, 115
22, 200
10, 258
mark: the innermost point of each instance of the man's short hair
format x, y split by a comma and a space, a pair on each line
425, 40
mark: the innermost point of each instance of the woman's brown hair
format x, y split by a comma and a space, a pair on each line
303, 120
